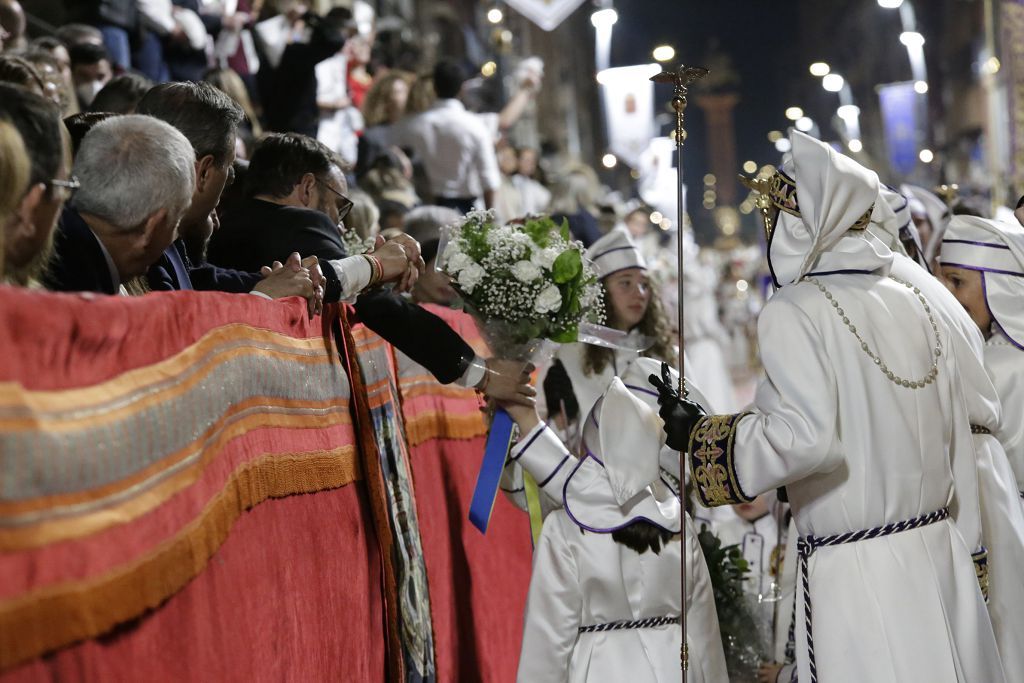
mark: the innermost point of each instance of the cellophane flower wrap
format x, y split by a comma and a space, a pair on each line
523, 282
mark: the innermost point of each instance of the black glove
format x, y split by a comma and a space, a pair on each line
680, 414
558, 392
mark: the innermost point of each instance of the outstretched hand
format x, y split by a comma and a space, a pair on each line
508, 381
680, 414
295, 277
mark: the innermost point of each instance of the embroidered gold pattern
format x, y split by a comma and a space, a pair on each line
981, 570
711, 460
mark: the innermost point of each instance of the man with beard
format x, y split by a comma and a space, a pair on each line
295, 201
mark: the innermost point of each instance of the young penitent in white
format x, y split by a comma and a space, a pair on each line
582, 577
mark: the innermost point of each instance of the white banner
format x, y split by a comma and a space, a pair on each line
547, 14
628, 96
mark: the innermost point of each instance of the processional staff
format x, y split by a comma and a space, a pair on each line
681, 79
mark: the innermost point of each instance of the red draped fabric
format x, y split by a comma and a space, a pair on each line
478, 583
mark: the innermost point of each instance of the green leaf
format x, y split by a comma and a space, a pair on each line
564, 230
567, 266
567, 336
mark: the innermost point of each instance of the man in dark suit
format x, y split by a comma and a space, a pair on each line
137, 177
209, 119
296, 200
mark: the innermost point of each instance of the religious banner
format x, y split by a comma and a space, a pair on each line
628, 97
899, 105
547, 14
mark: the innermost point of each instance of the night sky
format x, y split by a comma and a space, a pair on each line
754, 35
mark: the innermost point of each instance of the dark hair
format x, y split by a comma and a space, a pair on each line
204, 115
121, 94
963, 209
80, 124
76, 34
38, 122
448, 78
48, 43
19, 71
642, 536
1020, 202
281, 159
87, 53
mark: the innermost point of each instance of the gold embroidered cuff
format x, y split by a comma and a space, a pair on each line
711, 460
981, 569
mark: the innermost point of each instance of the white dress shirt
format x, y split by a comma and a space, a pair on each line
455, 147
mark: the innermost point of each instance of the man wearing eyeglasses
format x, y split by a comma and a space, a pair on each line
295, 201
28, 235
209, 119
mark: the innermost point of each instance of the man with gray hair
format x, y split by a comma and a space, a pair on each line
137, 177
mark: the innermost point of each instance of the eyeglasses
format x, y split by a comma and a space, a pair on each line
346, 206
62, 190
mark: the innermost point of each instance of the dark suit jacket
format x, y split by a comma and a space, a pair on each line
174, 271
78, 263
258, 233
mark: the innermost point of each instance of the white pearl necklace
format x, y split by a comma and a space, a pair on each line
893, 377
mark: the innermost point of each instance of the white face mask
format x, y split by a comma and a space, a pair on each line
87, 91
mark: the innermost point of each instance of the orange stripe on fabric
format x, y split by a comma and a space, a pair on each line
123, 386
56, 616
211, 443
444, 425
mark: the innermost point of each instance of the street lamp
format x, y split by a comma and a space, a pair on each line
890, 4
664, 53
794, 113
820, 69
604, 18
832, 82
804, 124
855, 145
912, 39
495, 15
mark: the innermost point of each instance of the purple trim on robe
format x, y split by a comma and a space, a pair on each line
982, 269
553, 473
977, 244
544, 425
586, 527
845, 271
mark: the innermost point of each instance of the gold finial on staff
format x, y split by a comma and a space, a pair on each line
681, 79
949, 193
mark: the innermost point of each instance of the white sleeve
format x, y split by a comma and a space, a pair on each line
543, 455
354, 275
965, 508
790, 433
487, 164
553, 608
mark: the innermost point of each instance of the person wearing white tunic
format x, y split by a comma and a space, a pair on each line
983, 265
861, 417
605, 594
581, 372
1001, 508
978, 260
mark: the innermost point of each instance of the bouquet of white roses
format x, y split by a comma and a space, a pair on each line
523, 282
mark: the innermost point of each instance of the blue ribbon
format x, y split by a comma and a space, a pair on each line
498, 441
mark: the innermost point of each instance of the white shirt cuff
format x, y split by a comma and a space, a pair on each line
262, 295
474, 373
353, 274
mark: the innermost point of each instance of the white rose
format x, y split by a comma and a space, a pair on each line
545, 258
549, 299
525, 271
470, 277
457, 262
